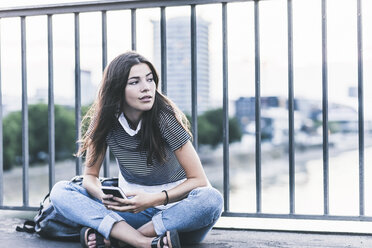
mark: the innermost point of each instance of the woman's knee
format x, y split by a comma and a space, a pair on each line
216, 200
59, 191
211, 199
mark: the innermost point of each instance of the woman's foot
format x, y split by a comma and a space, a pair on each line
89, 238
168, 240
165, 243
92, 241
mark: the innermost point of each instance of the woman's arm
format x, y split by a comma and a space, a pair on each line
190, 161
91, 182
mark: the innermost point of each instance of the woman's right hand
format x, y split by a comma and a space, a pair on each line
107, 200
136, 202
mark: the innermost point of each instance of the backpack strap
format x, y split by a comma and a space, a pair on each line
46, 197
28, 227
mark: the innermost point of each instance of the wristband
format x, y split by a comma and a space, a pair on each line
166, 197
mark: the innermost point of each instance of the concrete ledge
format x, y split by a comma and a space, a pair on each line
296, 225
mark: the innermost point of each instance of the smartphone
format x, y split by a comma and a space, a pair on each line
115, 191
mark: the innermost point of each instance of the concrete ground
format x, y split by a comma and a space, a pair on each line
217, 238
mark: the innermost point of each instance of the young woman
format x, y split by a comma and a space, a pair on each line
170, 200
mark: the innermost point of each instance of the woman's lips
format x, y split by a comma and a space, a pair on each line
145, 98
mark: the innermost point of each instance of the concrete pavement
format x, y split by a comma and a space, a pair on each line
217, 238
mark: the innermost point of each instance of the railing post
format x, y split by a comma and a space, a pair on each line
226, 169
106, 162
25, 145
104, 39
257, 105
194, 77
163, 45
51, 119
77, 91
291, 141
134, 29
360, 108
325, 109
1, 134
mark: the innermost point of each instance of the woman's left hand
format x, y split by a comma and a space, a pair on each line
137, 202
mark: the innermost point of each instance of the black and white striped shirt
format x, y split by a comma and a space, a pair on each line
133, 162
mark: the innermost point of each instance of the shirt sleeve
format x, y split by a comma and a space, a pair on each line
172, 131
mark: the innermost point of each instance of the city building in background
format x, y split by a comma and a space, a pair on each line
179, 61
245, 107
308, 117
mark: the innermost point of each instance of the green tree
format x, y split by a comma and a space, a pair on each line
210, 128
38, 134
12, 139
38, 131
64, 132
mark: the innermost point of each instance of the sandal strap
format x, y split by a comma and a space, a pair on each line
100, 243
162, 240
154, 242
85, 232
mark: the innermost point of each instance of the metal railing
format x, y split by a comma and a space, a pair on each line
104, 6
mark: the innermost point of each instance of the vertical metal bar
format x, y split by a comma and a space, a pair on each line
360, 110
104, 39
77, 91
1, 135
291, 111
51, 120
194, 77
134, 29
163, 45
226, 174
325, 109
25, 149
106, 162
257, 105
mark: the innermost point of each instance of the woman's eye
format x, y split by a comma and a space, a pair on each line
150, 79
132, 82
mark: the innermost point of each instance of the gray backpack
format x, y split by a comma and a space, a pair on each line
52, 225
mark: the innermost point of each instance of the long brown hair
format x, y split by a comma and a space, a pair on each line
109, 104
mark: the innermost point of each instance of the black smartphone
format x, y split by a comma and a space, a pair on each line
115, 191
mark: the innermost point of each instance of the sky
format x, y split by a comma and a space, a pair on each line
342, 47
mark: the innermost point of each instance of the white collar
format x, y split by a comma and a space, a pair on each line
124, 123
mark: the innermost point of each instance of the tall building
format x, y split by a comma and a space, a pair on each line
179, 61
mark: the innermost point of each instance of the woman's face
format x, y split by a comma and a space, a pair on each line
140, 91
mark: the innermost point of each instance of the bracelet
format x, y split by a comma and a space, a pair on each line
166, 197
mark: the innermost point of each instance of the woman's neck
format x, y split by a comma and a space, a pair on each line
132, 120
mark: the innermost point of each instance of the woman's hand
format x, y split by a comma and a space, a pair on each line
137, 202
107, 200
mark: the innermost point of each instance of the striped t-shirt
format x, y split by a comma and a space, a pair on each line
133, 162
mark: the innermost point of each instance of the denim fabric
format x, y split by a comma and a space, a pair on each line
192, 217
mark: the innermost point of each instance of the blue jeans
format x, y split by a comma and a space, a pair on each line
193, 217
